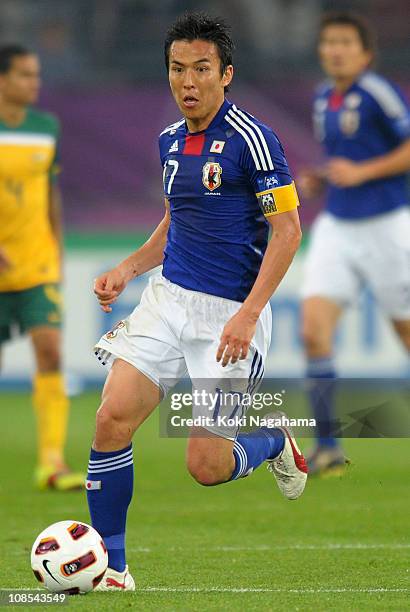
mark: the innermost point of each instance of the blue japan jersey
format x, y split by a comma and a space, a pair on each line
221, 184
369, 120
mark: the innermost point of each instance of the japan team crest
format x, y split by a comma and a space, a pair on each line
211, 175
349, 121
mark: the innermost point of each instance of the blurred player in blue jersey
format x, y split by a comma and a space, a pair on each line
363, 236
207, 315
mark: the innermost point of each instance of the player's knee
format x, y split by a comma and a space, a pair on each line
112, 427
315, 340
49, 358
206, 471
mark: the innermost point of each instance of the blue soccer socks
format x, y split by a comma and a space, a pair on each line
109, 486
252, 449
321, 375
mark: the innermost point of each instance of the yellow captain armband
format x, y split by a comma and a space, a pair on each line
278, 200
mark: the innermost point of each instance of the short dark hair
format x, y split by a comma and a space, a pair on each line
363, 28
200, 26
8, 53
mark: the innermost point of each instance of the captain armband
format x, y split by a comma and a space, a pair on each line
278, 200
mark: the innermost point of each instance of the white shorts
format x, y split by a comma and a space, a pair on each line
345, 255
174, 333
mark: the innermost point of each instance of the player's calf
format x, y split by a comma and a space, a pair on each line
207, 474
128, 399
209, 458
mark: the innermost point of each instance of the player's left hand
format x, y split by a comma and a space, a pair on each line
236, 338
344, 172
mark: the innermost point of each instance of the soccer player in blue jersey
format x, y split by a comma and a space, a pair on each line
363, 236
207, 314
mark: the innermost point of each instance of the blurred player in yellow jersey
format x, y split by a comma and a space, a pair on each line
30, 252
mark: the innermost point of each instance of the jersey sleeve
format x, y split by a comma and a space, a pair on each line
393, 108
265, 164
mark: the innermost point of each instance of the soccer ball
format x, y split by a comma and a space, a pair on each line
69, 557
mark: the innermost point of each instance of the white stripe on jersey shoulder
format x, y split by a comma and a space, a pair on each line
254, 125
253, 136
324, 87
173, 126
384, 94
237, 119
247, 139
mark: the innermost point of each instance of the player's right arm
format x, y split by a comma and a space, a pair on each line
109, 285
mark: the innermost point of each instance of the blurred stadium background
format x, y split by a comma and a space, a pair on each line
104, 77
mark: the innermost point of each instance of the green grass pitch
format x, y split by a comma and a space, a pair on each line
343, 546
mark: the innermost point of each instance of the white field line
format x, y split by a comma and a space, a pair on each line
242, 590
262, 548
263, 590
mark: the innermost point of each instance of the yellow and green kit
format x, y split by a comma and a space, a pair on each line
29, 291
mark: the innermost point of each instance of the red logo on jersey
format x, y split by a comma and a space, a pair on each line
211, 175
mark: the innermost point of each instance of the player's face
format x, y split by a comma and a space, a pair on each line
21, 84
196, 81
341, 52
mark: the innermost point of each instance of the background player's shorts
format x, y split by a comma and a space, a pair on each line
22, 310
345, 255
175, 333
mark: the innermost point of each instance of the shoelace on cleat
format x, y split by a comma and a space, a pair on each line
275, 469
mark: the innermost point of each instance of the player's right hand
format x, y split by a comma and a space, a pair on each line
108, 286
310, 183
5, 262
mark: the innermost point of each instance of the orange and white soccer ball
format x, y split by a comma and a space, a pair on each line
69, 557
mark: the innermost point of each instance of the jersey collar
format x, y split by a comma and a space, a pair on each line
352, 86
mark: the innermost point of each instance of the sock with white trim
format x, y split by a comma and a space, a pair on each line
321, 375
109, 485
252, 449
